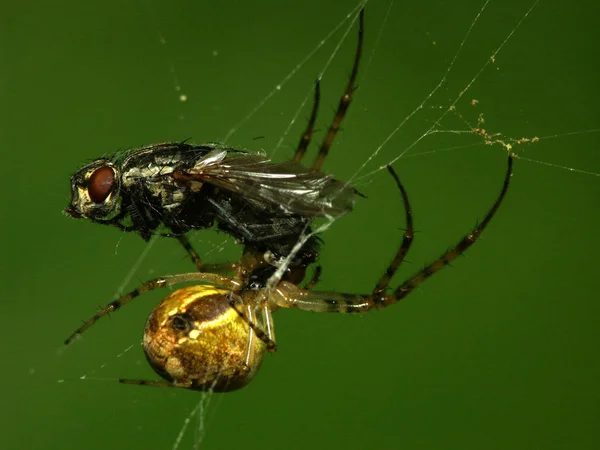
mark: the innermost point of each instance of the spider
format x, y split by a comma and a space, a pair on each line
213, 336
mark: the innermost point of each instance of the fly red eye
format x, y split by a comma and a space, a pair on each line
100, 184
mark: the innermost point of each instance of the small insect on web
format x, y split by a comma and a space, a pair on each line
176, 187
212, 336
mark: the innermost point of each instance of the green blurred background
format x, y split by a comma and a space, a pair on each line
500, 351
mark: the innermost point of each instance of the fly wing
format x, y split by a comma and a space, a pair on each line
288, 186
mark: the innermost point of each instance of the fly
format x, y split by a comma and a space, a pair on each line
175, 187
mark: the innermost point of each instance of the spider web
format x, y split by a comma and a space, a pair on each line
450, 117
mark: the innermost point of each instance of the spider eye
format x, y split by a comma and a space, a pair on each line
100, 184
181, 322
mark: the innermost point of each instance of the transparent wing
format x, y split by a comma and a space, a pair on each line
289, 186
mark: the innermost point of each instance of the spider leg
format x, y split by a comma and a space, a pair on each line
157, 383
192, 383
307, 135
250, 356
268, 336
287, 295
187, 384
195, 257
220, 267
184, 241
344, 101
267, 317
161, 282
315, 278
407, 239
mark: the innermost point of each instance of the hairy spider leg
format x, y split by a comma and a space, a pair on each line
315, 278
287, 295
219, 268
307, 135
193, 254
267, 335
156, 283
407, 239
158, 383
344, 101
